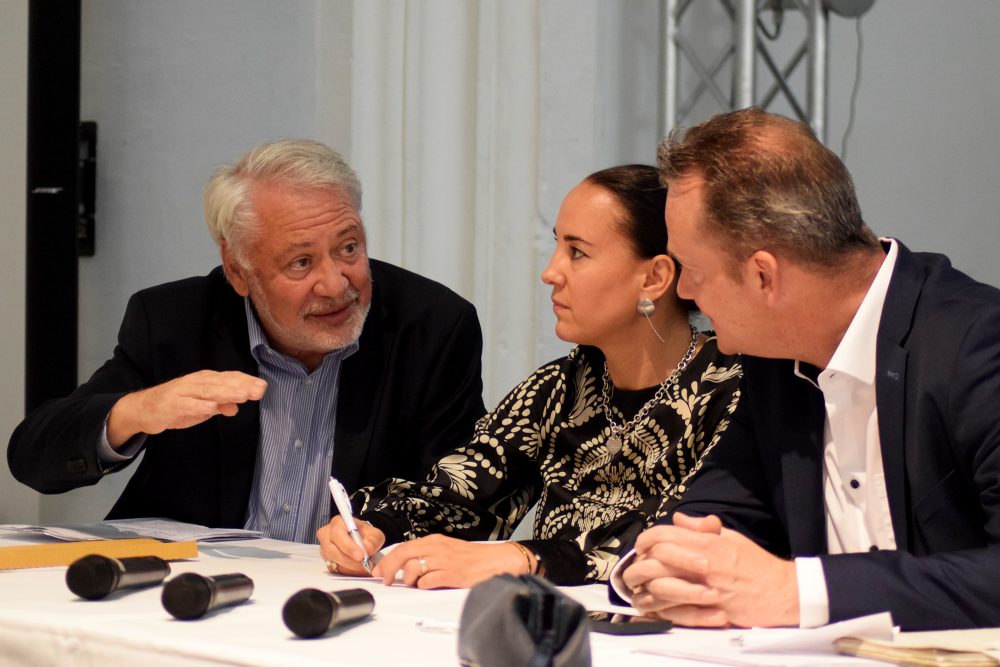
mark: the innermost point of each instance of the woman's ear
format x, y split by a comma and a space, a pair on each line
661, 271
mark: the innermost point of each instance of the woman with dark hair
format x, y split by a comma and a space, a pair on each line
605, 440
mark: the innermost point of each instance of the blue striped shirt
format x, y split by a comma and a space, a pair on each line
289, 499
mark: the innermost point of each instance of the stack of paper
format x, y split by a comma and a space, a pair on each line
160, 529
966, 648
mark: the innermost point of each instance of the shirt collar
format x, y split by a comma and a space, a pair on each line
855, 355
260, 345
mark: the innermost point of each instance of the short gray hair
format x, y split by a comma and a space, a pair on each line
299, 163
769, 183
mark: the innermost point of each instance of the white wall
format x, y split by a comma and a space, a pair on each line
176, 88
924, 147
17, 503
180, 86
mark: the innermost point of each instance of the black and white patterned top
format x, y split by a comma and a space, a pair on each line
546, 443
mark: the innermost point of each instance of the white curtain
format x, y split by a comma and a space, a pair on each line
444, 134
468, 123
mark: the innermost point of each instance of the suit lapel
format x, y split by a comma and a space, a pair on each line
890, 384
238, 435
890, 395
802, 468
360, 392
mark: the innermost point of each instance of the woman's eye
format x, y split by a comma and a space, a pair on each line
576, 253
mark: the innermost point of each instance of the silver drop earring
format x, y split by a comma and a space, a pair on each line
646, 308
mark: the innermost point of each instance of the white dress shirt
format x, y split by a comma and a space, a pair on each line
854, 491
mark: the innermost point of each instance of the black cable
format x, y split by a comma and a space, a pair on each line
777, 16
854, 94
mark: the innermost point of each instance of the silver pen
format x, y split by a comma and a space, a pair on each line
343, 503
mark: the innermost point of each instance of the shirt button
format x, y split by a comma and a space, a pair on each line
309, 381
855, 484
873, 548
286, 508
298, 444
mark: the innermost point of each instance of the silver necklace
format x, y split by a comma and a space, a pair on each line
621, 431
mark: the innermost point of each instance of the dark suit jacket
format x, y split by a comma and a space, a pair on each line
411, 392
938, 404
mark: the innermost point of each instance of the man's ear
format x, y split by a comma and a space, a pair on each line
660, 274
236, 274
763, 270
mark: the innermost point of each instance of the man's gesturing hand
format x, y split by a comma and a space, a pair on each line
180, 403
697, 573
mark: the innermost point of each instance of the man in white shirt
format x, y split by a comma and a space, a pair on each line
861, 472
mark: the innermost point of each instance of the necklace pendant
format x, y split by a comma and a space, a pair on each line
614, 445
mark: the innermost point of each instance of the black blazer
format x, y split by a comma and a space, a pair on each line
411, 392
938, 404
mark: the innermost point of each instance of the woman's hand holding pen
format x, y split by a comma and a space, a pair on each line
337, 547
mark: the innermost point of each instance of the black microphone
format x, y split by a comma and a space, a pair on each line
94, 577
189, 596
311, 612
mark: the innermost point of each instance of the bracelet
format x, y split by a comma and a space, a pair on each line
530, 558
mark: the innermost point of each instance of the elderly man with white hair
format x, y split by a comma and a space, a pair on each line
296, 359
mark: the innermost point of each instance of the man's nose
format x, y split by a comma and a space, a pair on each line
683, 290
330, 279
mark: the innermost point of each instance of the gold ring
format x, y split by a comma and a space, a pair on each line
423, 566
331, 567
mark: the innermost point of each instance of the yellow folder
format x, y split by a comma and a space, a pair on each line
64, 553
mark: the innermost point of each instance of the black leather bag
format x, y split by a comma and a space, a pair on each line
524, 621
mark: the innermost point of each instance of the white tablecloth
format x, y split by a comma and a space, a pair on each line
43, 623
